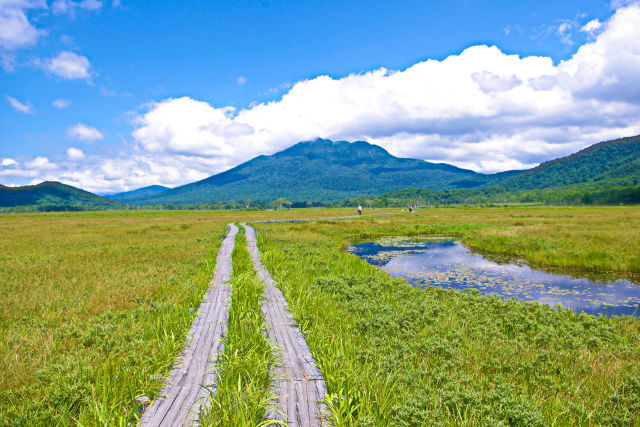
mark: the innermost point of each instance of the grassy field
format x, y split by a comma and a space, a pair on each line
95, 306
397, 355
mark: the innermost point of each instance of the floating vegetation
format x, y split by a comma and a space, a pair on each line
448, 264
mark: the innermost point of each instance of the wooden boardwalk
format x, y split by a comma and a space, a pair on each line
298, 384
194, 376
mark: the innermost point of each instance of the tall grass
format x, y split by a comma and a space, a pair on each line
94, 310
393, 354
94, 307
243, 382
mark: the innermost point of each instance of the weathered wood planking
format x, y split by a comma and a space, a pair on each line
194, 376
298, 385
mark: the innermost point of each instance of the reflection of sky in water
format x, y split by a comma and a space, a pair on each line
448, 264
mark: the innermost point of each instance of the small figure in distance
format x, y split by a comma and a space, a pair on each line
410, 208
359, 209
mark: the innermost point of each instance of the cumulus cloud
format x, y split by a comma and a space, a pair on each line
489, 82
20, 107
61, 103
74, 153
41, 163
69, 7
481, 109
69, 66
564, 32
82, 132
7, 161
16, 31
591, 26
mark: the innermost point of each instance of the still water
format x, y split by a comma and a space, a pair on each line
448, 264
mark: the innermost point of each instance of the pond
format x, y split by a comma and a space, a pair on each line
448, 264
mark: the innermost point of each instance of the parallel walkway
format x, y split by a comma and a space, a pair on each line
298, 383
194, 375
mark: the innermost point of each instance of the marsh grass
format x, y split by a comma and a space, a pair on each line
393, 354
243, 393
94, 309
95, 306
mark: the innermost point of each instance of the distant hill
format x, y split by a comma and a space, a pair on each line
323, 170
152, 190
607, 163
53, 196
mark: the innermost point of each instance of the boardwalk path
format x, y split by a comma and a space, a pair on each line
298, 384
180, 400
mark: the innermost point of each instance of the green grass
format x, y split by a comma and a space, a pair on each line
94, 307
243, 382
393, 354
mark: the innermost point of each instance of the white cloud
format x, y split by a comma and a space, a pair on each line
436, 110
74, 153
16, 31
7, 61
480, 109
7, 161
242, 80
41, 163
564, 31
69, 66
69, 7
82, 132
489, 82
20, 106
592, 26
61, 103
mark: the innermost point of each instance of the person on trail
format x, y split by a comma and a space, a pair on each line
410, 208
359, 209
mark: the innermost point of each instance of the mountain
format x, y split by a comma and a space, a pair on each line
609, 163
53, 196
140, 193
322, 170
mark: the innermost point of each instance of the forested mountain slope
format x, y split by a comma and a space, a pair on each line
323, 170
54, 196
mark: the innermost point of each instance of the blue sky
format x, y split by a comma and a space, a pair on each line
170, 92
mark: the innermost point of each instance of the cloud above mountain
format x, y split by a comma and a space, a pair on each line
481, 109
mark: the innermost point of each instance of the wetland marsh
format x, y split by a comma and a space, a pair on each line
448, 264
95, 308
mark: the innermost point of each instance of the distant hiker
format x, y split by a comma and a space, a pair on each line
410, 208
359, 209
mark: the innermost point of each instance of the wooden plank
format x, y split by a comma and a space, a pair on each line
194, 376
298, 383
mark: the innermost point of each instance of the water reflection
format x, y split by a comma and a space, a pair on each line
448, 264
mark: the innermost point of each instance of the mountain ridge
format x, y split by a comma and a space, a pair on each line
138, 193
321, 170
324, 171
614, 161
53, 195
